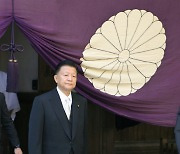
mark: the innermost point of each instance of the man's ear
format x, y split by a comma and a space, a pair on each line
55, 78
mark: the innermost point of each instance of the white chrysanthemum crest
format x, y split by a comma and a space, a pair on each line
125, 52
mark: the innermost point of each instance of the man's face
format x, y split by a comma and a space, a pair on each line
66, 78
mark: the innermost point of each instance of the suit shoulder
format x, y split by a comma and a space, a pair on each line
45, 95
79, 96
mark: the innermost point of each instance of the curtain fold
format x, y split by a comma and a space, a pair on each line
61, 29
5, 15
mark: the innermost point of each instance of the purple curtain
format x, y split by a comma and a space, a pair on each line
60, 29
5, 15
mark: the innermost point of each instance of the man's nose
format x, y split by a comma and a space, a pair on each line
69, 77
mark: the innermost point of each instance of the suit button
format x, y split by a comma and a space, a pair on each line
70, 143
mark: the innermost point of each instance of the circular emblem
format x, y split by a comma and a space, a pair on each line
125, 52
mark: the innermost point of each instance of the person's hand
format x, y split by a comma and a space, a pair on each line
17, 151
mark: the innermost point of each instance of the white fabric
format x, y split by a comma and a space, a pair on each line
68, 107
66, 102
11, 98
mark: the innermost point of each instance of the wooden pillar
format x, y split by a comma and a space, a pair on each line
100, 130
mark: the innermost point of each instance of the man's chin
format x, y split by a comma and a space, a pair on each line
70, 88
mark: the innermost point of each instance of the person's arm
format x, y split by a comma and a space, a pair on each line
85, 127
177, 131
8, 126
36, 123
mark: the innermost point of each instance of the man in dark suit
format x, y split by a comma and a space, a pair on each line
7, 124
58, 120
177, 131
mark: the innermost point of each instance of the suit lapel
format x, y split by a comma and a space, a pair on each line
75, 106
59, 111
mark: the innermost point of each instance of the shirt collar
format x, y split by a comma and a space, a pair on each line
63, 96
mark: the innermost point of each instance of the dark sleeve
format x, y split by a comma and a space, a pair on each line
7, 123
85, 127
177, 131
36, 124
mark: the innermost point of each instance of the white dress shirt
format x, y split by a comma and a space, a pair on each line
10, 97
66, 102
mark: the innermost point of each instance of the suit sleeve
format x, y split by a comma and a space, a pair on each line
36, 124
7, 123
85, 127
177, 131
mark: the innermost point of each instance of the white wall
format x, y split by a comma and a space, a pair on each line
27, 60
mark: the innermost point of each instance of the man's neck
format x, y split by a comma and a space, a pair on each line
67, 93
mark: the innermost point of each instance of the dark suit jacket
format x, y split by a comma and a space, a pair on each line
177, 131
49, 129
7, 124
